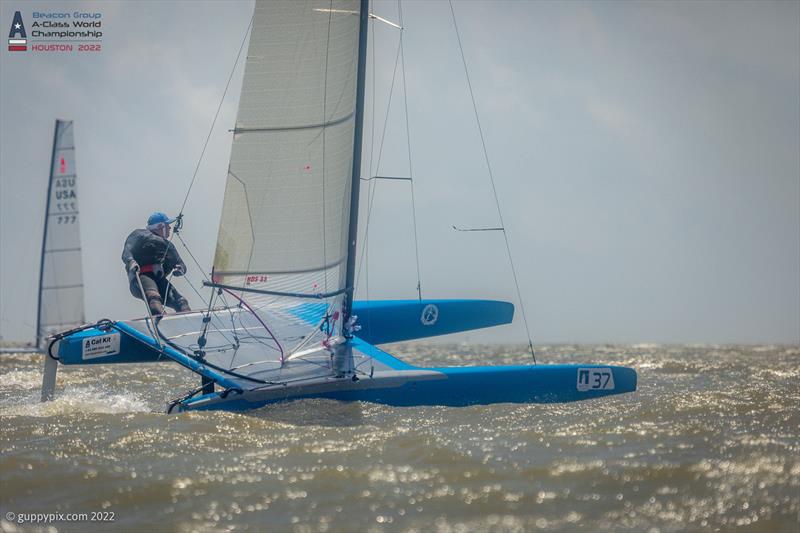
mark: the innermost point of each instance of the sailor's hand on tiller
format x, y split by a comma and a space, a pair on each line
133, 266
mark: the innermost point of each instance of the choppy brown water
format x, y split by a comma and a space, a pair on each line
710, 442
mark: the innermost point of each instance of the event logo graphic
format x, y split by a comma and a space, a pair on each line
56, 31
17, 38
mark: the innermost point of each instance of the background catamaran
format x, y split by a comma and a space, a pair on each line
280, 322
60, 295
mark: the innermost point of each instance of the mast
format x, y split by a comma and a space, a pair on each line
355, 185
44, 237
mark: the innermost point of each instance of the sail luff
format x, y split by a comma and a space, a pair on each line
355, 185
44, 235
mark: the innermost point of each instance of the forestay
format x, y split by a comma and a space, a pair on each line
285, 215
61, 278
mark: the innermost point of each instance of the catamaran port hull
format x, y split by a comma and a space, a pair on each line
382, 321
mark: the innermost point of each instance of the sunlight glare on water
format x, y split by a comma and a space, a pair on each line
711, 441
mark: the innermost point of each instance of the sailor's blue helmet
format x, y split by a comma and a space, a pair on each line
159, 218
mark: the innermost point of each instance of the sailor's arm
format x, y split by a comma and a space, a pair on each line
174, 258
127, 252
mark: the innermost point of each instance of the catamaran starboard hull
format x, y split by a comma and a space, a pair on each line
449, 387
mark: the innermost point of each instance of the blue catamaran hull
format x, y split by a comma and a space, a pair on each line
384, 379
449, 387
405, 385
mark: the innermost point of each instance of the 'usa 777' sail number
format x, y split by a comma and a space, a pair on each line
595, 379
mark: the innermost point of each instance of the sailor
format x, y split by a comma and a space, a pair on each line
149, 253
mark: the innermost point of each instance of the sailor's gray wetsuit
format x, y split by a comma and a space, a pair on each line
157, 257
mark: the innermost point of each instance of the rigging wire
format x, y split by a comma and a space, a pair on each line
197, 263
408, 142
372, 102
372, 189
216, 115
378, 163
491, 179
260, 321
371, 173
199, 162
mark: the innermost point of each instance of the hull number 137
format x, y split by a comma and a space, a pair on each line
595, 379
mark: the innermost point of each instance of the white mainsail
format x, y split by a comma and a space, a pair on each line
281, 258
285, 215
61, 275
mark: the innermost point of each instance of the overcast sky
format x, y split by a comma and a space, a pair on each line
646, 156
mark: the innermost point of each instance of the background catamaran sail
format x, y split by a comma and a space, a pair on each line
61, 275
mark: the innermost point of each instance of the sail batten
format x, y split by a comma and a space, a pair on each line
298, 126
